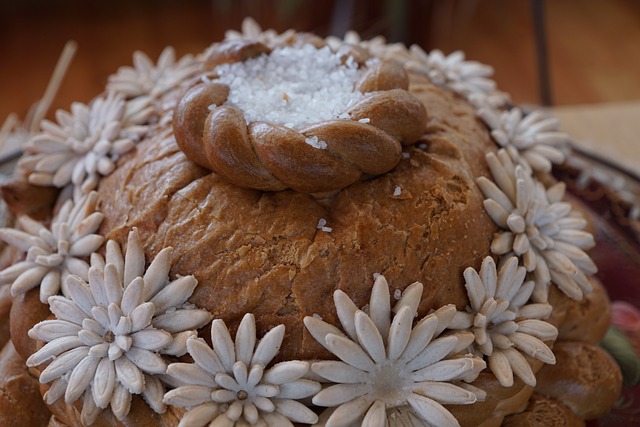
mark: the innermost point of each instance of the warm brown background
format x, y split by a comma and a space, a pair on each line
593, 45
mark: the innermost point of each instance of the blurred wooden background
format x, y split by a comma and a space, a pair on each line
593, 45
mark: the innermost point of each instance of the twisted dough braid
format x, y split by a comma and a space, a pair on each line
271, 157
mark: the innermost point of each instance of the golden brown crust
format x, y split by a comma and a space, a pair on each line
55, 422
544, 412
352, 148
190, 115
234, 51
393, 111
272, 157
384, 75
5, 309
500, 401
26, 311
262, 253
20, 400
585, 378
230, 152
371, 150
586, 320
359, 53
23, 198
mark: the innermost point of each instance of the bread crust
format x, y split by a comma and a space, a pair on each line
261, 252
20, 402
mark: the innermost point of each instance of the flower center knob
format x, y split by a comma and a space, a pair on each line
109, 337
243, 395
388, 383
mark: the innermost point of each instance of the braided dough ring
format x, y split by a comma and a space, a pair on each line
272, 157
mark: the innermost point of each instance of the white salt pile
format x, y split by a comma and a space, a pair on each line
291, 86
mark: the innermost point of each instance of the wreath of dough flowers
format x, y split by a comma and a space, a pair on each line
364, 140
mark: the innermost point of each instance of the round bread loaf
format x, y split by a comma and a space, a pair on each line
429, 294
262, 252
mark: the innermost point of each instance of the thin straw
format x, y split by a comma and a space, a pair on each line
43, 105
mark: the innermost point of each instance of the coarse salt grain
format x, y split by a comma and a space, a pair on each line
316, 143
365, 120
397, 191
397, 294
322, 226
318, 86
406, 155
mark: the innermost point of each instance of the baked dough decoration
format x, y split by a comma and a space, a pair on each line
504, 324
83, 146
321, 157
230, 382
533, 140
117, 320
144, 84
111, 334
539, 227
55, 252
386, 362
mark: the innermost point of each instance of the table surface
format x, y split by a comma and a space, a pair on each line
610, 130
